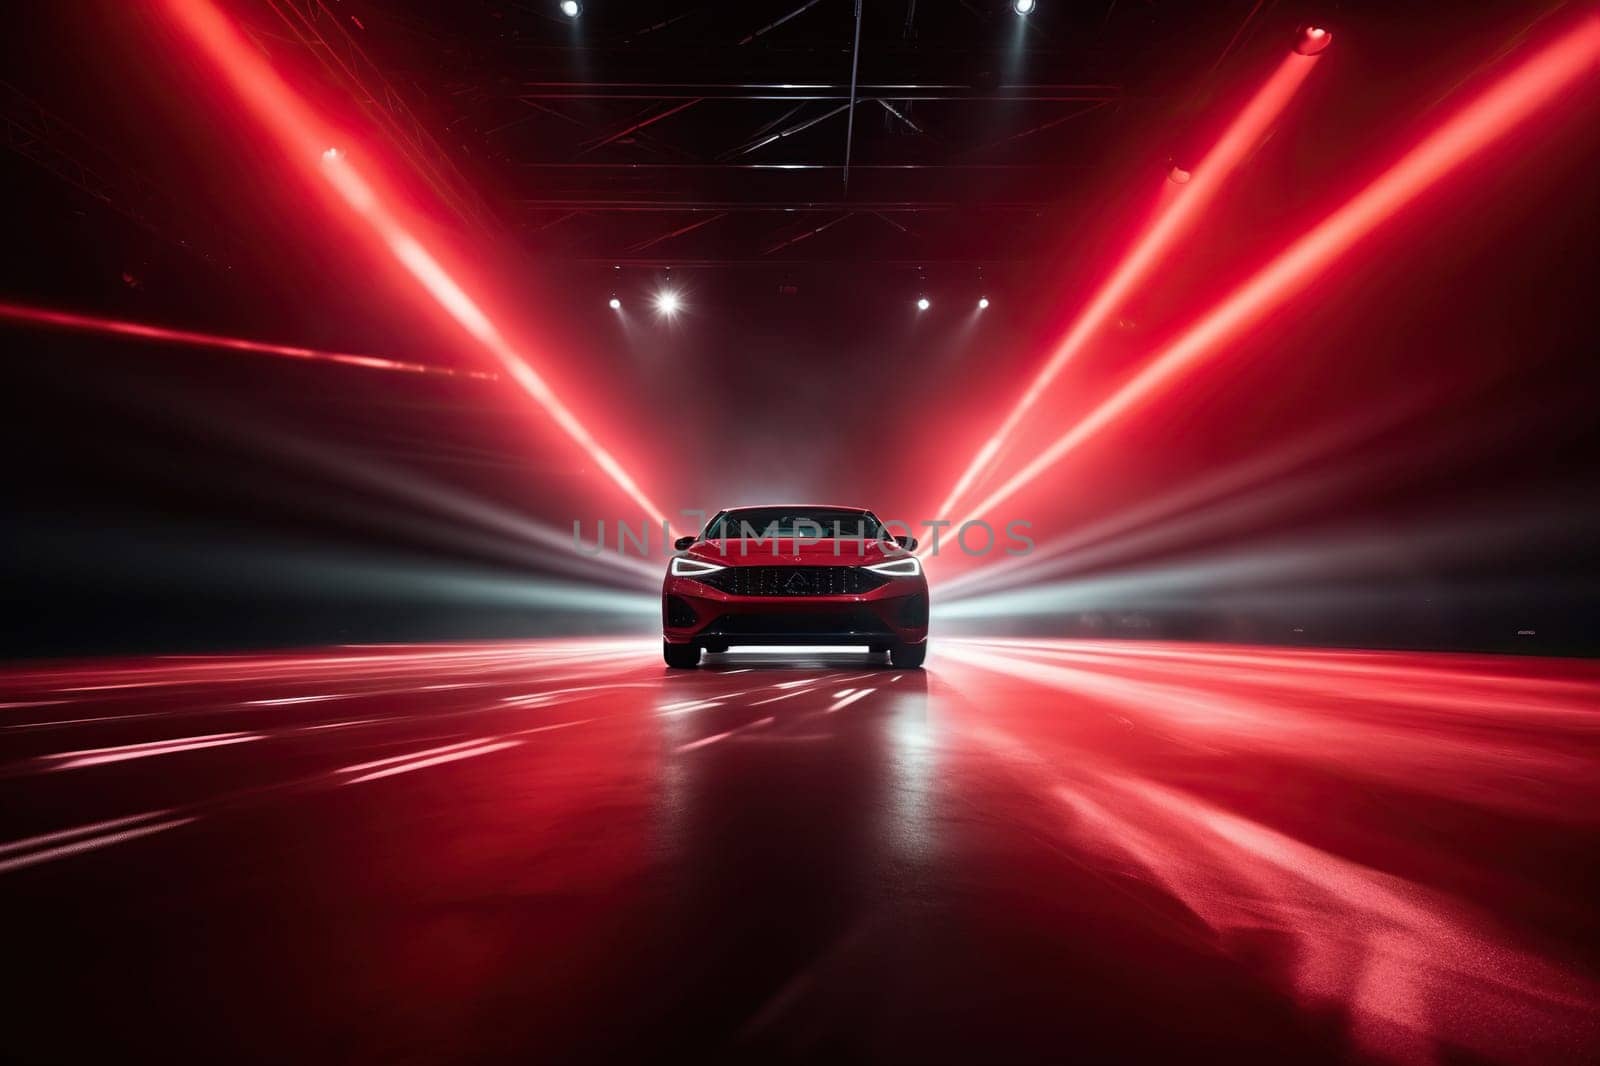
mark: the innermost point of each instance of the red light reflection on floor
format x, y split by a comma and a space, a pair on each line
1376, 849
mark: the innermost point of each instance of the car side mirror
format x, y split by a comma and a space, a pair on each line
908, 543
683, 543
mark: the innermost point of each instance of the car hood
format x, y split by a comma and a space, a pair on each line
788, 552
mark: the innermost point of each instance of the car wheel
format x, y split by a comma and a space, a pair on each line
908, 656
680, 656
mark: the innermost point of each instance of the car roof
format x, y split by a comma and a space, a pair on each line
796, 506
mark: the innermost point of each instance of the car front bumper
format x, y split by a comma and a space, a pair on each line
696, 613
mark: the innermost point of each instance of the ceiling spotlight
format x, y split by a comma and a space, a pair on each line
570, 8
1177, 175
614, 303
983, 301
922, 303
331, 155
1312, 40
1023, 7
668, 303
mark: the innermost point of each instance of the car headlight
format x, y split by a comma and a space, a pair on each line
685, 567
911, 567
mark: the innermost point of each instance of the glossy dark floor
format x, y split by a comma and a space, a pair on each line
1043, 850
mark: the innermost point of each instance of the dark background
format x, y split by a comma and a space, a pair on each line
161, 498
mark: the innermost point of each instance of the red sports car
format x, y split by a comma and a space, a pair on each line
794, 575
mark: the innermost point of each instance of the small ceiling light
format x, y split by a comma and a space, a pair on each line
331, 155
667, 302
923, 304
1023, 7
570, 8
983, 301
1177, 175
614, 303
1313, 40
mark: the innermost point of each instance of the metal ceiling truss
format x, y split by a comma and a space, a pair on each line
319, 29
636, 164
39, 135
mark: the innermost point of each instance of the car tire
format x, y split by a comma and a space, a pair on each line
908, 656
680, 656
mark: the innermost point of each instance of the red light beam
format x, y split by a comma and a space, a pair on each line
44, 316
1515, 98
1176, 217
305, 138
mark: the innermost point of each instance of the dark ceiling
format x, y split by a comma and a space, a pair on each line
683, 133
674, 133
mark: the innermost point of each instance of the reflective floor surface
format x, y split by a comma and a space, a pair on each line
1030, 851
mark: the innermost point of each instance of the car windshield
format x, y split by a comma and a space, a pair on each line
810, 522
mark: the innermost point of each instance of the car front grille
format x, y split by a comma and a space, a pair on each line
795, 580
